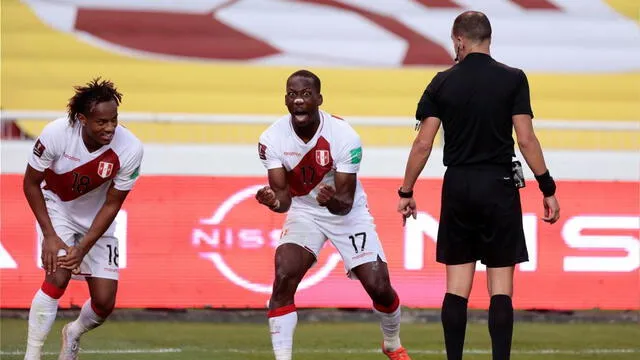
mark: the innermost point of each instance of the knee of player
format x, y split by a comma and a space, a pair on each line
56, 283
287, 277
380, 291
103, 306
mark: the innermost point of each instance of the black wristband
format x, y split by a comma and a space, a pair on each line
546, 184
406, 195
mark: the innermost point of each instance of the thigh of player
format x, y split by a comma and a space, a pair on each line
64, 228
102, 260
356, 239
67, 233
301, 230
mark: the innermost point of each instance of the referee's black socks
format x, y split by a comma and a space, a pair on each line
454, 323
501, 326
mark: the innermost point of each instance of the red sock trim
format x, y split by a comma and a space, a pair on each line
284, 310
388, 309
99, 312
52, 290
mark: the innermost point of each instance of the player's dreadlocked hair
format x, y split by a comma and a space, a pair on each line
86, 97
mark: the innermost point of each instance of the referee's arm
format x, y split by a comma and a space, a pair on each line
428, 115
420, 151
532, 151
529, 144
522, 117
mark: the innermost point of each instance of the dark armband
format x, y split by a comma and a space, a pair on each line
546, 184
405, 195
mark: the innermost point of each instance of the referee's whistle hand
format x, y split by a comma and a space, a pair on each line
407, 207
551, 209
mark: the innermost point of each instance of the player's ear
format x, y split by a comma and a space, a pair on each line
320, 99
82, 119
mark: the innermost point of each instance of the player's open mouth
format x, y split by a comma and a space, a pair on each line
106, 137
300, 115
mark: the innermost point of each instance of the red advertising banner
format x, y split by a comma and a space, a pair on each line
205, 242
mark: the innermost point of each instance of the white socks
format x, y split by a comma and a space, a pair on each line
282, 324
283, 320
390, 325
42, 315
86, 321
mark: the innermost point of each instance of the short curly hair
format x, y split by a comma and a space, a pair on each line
307, 75
88, 96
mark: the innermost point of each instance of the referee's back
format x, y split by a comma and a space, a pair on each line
475, 100
478, 101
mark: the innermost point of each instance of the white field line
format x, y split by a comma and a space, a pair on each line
106, 351
568, 352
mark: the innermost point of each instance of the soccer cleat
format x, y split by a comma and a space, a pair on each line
398, 354
70, 347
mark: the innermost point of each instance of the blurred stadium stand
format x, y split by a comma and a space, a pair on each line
582, 65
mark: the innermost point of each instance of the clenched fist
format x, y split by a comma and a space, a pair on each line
325, 194
266, 196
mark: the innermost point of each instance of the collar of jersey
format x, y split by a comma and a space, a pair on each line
315, 136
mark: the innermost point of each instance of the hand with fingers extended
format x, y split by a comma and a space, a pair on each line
325, 194
551, 209
73, 259
51, 246
267, 197
407, 207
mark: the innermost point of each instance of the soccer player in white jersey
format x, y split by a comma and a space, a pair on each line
79, 174
312, 160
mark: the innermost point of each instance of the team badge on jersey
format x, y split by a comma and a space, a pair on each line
322, 157
105, 169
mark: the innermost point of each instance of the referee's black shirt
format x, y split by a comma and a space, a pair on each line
475, 100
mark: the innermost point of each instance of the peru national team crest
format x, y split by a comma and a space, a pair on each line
105, 169
322, 157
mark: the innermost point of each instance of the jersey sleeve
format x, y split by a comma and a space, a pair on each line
268, 153
427, 106
522, 100
47, 148
130, 169
349, 154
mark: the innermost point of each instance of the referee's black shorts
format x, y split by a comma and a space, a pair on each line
481, 217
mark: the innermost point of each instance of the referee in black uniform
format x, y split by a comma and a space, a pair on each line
479, 101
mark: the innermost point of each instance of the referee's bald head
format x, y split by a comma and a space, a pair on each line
472, 25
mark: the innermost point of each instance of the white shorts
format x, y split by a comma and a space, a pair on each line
354, 236
102, 259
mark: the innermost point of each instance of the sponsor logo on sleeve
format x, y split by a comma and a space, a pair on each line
38, 148
356, 155
262, 151
135, 173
